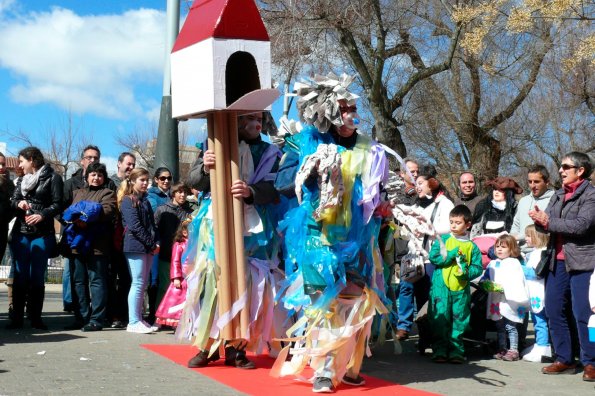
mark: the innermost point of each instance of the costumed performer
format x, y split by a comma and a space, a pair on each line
332, 260
200, 319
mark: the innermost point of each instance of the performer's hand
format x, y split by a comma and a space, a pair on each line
209, 160
156, 250
240, 189
177, 283
33, 219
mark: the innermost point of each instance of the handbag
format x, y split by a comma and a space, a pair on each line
412, 267
413, 264
543, 267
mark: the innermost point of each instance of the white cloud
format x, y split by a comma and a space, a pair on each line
88, 64
5, 5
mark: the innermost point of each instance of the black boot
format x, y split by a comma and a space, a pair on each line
152, 292
237, 357
35, 306
19, 293
201, 359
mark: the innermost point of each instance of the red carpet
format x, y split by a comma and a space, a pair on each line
259, 382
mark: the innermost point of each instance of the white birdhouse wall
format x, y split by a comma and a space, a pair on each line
199, 74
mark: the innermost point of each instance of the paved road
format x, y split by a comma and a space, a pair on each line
111, 361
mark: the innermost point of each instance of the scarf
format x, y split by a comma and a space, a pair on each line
571, 188
29, 181
499, 205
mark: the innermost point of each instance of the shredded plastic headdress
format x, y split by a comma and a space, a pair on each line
318, 104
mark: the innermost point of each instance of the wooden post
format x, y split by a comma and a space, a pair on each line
220, 218
238, 222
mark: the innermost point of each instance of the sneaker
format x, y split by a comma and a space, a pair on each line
511, 356
152, 327
500, 354
456, 360
92, 327
357, 381
439, 359
201, 359
323, 385
139, 328
534, 353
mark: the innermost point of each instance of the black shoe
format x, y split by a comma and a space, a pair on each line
201, 359
74, 326
237, 358
118, 324
38, 324
92, 327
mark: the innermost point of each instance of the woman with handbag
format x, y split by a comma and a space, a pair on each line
570, 220
36, 200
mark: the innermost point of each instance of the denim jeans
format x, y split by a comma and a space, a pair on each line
66, 289
542, 337
508, 334
563, 288
90, 279
139, 265
30, 255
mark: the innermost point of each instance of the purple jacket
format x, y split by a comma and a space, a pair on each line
574, 221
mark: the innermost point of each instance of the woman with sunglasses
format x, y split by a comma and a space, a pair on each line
570, 220
157, 195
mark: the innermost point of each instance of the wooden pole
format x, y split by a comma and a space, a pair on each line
238, 222
223, 231
231, 252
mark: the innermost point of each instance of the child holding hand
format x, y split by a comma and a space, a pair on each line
508, 300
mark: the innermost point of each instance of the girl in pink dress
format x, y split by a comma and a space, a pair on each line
171, 306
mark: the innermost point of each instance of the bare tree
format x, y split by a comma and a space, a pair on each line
60, 143
385, 43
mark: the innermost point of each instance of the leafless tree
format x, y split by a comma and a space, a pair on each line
60, 143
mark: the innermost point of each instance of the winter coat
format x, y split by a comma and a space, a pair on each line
76, 182
157, 197
6, 192
574, 222
167, 220
45, 199
140, 234
99, 229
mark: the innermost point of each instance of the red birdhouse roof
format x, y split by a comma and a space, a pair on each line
226, 19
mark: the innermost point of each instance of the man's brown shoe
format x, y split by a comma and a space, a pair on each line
559, 368
402, 335
589, 373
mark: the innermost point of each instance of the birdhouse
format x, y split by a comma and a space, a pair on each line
221, 60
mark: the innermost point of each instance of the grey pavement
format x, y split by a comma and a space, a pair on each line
112, 361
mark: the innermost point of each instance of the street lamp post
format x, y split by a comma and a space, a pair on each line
167, 136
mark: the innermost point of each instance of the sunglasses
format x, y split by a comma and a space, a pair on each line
164, 178
567, 166
348, 109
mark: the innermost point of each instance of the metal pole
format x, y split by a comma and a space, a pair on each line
167, 151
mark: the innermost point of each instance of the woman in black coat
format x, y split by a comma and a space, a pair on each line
36, 200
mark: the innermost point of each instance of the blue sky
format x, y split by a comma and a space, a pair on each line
100, 61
